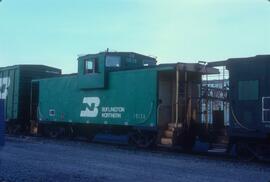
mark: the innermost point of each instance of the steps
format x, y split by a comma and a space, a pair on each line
172, 126
168, 134
166, 141
223, 139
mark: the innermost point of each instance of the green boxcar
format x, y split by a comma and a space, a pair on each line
15, 89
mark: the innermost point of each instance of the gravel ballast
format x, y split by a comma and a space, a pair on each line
36, 159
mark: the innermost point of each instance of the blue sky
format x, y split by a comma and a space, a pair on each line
55, 32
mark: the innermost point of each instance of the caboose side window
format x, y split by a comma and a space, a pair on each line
148, 62
248, 90
113, 61
90, 66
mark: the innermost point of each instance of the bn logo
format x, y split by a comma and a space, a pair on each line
4, 84
91, 108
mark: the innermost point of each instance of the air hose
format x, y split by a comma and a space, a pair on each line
238, 122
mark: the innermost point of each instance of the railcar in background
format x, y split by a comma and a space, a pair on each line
15, 90
249, 98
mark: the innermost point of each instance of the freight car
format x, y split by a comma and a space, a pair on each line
249, 97
2, 123
15, 89
123, 93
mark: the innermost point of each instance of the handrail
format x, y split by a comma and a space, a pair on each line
177, 96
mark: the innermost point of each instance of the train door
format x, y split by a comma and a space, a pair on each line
166, 97
178, 106
266, 98
34, 109
266, 109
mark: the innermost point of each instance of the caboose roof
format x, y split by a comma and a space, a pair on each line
237, 60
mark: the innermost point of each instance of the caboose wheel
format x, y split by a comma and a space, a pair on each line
244, 152
13, 129
142, 140
56, 132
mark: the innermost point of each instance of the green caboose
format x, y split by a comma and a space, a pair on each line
122, 93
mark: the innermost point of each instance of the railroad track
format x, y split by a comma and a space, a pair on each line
168, 151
